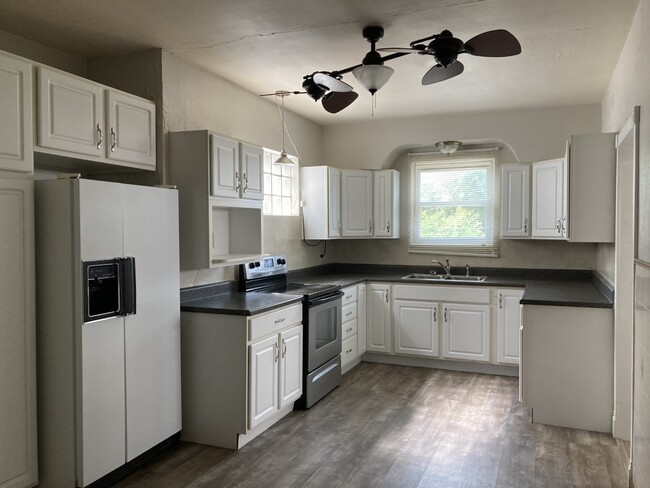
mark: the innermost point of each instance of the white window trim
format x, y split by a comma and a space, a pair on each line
470, 248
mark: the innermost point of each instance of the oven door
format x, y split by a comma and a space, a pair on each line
323, 330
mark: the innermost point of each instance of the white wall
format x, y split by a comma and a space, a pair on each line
629, 87
194, 98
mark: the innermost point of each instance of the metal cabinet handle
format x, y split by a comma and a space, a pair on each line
113, 140
435, 314
276, 352
386, 296
347, 297
501, 300
100, 139
348, 330
558, 226
284, 348
280, 320
340, 226
370, 225
564, 229
445, 314
388, 226
348, 314
245, 178
526, 225
237, 177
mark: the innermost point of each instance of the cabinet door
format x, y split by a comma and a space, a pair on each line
103, 417
548, 197
361, 319
508, 323
290, 365
334, 202
252, 172
18, 462
416, 328
386, 207
349, 350
70, 113
515, 200
356, 203
378, 318
263, 380
466, 331
16, 145
131, 129
224, 167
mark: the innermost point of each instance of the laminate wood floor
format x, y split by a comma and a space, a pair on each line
396, 426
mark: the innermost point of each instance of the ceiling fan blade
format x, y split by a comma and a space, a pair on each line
334, 102
440, 73
496, 43
333, 84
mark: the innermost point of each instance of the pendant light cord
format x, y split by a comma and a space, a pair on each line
284, 125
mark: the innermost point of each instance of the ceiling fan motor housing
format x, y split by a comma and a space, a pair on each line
315, 91
446, 48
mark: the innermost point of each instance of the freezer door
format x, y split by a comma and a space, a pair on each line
152, 335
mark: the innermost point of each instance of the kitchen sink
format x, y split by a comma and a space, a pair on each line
432, 277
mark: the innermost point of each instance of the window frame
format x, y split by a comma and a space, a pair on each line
271, 155
488, 247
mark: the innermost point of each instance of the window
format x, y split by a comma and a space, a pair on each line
453, 208
280, 185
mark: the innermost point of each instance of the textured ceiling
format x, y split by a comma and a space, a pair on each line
569, 47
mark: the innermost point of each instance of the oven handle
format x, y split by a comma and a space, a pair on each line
328, 298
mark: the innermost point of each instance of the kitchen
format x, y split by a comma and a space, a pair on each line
194, 98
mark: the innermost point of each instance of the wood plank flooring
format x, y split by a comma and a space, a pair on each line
395, 426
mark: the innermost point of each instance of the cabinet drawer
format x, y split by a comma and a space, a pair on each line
349, 296
349, 312
349, 352
349, 329
272, 322
440, 293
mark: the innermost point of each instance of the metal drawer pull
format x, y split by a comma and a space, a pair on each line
526, 225
280, 320
245, 178
284, 348
347, 297
386, 296
113, 140
348, 330
237, 177
500, 300
348, 314
445, 314
435, 314
100, 139
276, 352
558, 225
388, 226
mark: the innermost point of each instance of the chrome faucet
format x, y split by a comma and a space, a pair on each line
447, 268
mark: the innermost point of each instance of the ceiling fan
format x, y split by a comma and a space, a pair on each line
445, 48
326, 86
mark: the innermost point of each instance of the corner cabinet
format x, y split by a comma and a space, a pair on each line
349, 203
81, 119
16, 144
220, 184
18, 462
240, 374
515, 200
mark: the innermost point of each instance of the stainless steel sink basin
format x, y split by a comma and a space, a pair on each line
431, 277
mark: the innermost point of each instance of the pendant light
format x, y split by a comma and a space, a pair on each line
283, 159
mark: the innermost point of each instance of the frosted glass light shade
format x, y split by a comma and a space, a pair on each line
448, 147
373, 76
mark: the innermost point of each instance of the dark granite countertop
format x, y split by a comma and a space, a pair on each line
567, 288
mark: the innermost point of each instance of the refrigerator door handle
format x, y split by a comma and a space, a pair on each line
129, 286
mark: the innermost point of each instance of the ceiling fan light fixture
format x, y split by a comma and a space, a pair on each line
448, 147
373, 76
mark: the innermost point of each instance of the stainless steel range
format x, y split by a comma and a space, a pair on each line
321, 323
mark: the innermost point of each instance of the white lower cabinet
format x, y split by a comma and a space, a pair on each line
508, 324
362, 325
416, 328
378, 318
350, 328
466, 332
240, 374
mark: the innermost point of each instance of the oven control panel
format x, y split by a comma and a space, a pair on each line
269, 266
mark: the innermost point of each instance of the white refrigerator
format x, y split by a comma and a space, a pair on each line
108, 389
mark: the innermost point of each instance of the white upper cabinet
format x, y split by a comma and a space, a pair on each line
224, 167
356, 203
16, 122
236, 169
386, 203
71, 113
81, 119
548, 199
320, 193
252, 172
515, 200
132, 129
